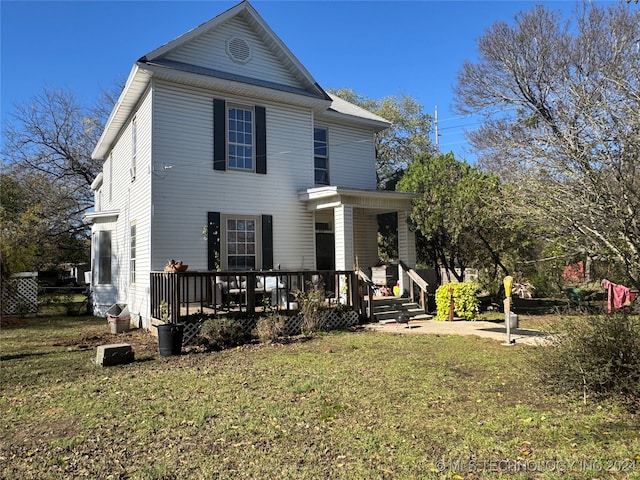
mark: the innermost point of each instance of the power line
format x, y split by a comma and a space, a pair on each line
461, 126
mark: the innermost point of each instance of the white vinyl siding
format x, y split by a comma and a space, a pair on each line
133, 201
353, 156
183, 194
345, 254
365, 228
176, 185
263, 64
108, 165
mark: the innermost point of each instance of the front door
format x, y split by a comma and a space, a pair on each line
325, 251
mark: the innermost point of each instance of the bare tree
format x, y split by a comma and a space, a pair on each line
54, 136
47, 161
560, 101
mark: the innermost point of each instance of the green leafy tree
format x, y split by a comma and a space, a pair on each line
33, 225
408, 136
458, 213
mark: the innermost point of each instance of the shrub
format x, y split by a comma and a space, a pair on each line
313, 310
597, 354
466, 304
270, 328
221, 333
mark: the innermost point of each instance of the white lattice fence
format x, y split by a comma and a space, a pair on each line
20, 294
334, 320
191, 331
293, 325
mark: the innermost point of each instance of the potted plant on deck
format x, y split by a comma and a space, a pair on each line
173, 266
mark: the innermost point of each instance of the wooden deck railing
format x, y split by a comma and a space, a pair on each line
415, 280
249, 292
366, 289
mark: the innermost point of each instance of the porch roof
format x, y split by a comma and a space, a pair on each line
103, 216
381, 201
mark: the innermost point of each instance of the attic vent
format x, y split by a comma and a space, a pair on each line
238, 49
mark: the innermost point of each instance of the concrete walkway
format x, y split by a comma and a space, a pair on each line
494, 330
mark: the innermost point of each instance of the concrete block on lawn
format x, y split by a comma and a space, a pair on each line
114, 354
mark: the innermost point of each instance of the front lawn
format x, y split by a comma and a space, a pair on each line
352, 405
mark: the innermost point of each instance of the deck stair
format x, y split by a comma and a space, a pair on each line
387, 310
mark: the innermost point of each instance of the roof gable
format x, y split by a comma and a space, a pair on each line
238, 45
234, 52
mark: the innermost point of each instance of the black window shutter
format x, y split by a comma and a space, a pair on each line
267, 242
219, 135
213, 240
261, 140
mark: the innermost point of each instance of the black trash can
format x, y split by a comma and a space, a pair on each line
170, 339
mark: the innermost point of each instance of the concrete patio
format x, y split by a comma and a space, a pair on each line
493, 330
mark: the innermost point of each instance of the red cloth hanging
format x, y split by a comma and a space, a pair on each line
618, 296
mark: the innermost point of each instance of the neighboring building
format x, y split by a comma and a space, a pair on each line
224, 152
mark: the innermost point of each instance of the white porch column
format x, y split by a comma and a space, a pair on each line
343, 218
406, 249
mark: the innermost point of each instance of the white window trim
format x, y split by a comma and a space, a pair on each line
133, 253
110, 178
134, 148
100, 255
224, 254
251, 108
326, 157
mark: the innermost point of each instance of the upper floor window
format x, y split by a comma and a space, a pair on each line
109, 164
134, 148
321, 156
240, 137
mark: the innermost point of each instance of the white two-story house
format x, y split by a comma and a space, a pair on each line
222, 151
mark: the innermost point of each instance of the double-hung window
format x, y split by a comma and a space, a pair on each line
240, 137
321, 156
104, 257
132, 255
134, 148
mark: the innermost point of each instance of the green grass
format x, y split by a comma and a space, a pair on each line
344, 405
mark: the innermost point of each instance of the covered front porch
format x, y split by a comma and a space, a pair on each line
346, 226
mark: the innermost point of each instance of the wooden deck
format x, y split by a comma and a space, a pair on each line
250, 293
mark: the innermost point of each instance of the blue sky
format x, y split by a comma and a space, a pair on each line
377, 48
